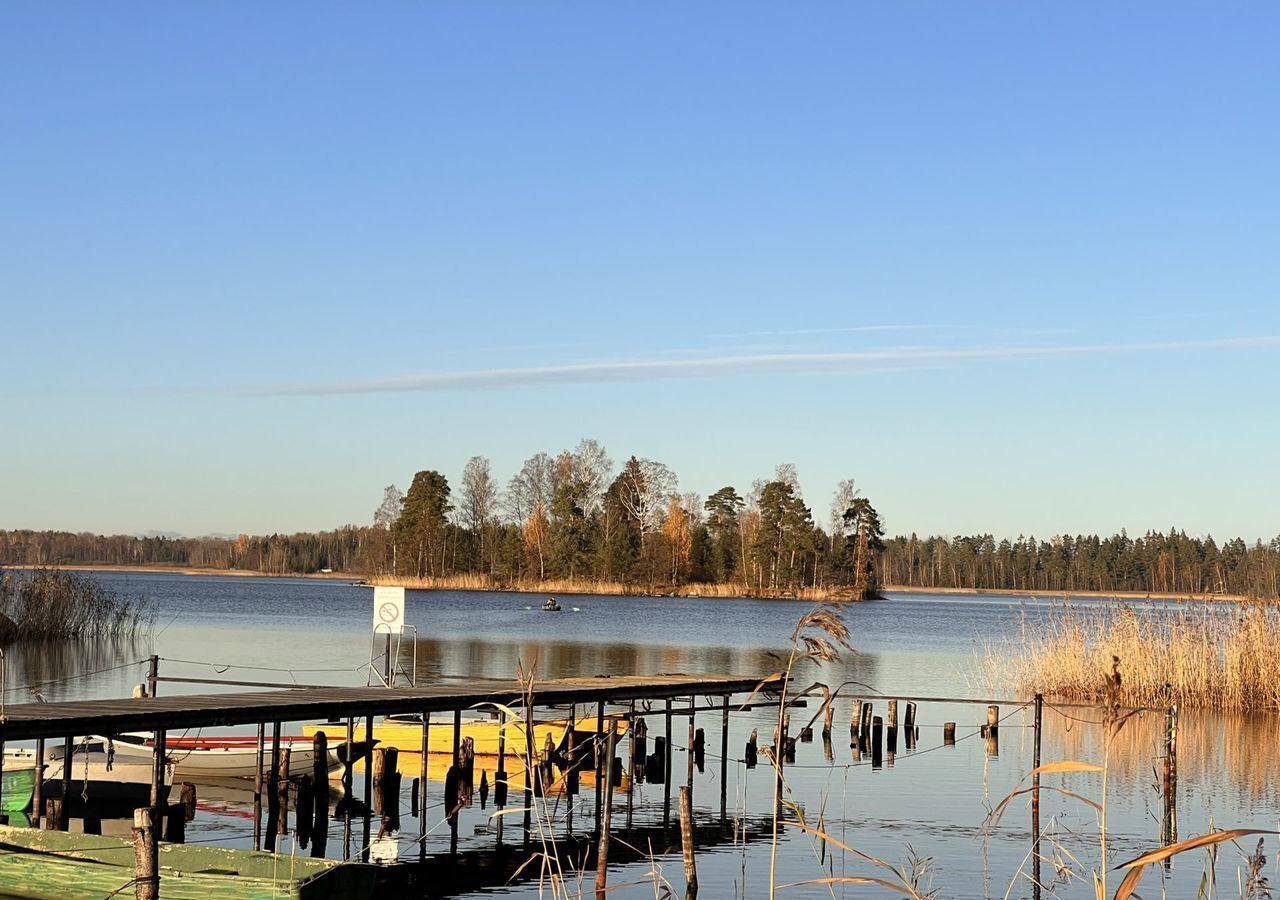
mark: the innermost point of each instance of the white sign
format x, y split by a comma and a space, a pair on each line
388, 609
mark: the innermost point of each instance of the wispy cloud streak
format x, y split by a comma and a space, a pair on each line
725, 366
809, 331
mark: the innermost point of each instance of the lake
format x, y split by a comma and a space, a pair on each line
925, 811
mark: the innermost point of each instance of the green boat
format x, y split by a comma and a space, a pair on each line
16, 789
53, 865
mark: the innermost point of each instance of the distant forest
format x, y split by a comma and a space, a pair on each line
572, 518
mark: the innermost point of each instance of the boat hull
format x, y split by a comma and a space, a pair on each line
60, 866
487, 735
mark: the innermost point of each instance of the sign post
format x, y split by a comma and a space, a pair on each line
388, 618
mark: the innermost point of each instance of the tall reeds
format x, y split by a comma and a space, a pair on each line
482, 582
44, 604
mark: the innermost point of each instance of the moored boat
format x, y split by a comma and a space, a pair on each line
199, 758
55, 865
405, 733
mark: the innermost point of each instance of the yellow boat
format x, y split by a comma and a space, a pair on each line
405, 733
438, 764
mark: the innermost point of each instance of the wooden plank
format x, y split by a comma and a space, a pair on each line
33, 720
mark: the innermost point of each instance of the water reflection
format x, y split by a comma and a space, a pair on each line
39, 671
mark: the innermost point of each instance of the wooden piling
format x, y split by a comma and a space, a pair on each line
991, 731
666, 771
686, 843
724, 759
37, 795
752, 753
868, 710
424, 751
909, 730
346, 802
877, 747
146, 875
175, 823
304, 810
699, 749
64, 808
153, 674
689, 754
891, 729
320, 794
366, 825
603, 773
187, 796
949, 734
602, 847
53, 814
273, 790
639, 747
282, 786
829, 716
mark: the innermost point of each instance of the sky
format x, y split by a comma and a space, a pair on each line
1011, 267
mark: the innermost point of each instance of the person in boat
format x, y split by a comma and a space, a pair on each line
551, 605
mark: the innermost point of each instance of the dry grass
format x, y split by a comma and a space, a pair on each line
40, 604
478, 582
1217, 658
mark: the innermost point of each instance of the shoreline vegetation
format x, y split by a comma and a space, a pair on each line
566, 586
1215, 658
49, 604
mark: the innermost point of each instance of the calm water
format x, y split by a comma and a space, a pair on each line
927, 809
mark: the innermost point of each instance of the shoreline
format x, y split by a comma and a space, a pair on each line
481, 584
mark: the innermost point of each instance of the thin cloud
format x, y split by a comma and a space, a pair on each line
725, 366
842, 330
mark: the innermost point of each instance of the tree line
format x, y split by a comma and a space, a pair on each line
575, 516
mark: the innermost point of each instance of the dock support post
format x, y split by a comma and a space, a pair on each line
500, 776
686, 844
633, 725
37, 796
991, 731
368, 787
346, 788
571, 779
153, 674
891, 730
273, 791
602, 847
64, 808
282, 783
690, 748
604, 767
257, 789
949, 734
1035, 800
666, 771
724, 760
320, 794
877, 747
146, 876
451, 799
422, 786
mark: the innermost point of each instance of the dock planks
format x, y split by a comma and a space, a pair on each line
81, 717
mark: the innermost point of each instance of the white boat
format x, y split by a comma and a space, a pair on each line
96, 775
193, 759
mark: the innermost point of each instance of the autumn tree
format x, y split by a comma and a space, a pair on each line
422, 524
537, 530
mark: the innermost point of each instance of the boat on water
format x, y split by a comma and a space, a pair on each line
97, 777
551, 605
197, 758
405, 733
55, 865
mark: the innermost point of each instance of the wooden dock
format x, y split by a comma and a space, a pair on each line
182, 711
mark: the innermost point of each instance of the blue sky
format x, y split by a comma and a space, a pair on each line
1010, 267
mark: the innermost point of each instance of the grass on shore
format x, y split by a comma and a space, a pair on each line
479, 582
42, 604
1217, 658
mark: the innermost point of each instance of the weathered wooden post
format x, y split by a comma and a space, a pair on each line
689, 755
187, 796
320, 787
602, 847
153, 674
175, 823
909, 724
666, 771
37, 794
877, 748
282, 785
829, 714
273, 790
686, 843
304, 811
891, 729
949, 734
604, 773
752, 752
855, 724
991, 731
64, 809
146, 877
868, 710
639, 746
421, 781
724, 759
700, 750
366, 826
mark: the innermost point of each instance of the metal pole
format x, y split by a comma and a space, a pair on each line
37, 796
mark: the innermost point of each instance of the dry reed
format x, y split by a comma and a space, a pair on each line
1215, 657
42, 604
597, 586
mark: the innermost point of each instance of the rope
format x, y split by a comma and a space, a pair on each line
31, 687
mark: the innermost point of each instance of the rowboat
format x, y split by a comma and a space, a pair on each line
194, 759
405, 733
55, 865
17, 786
96, 777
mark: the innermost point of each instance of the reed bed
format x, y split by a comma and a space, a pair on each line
45, 604
480, 582
1215, 657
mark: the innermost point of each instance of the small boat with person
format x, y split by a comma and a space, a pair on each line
551, 605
